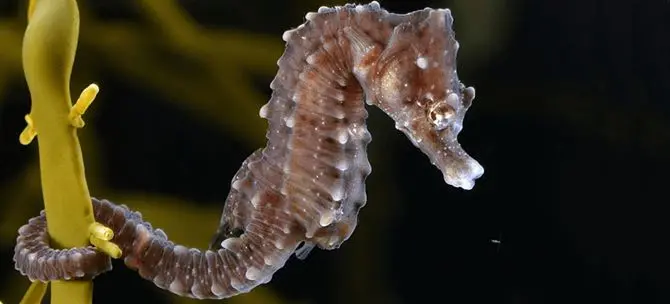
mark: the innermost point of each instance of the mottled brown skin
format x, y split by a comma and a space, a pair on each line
308, 184
332, 63
414, 93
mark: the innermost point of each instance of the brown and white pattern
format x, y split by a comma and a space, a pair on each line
308, 184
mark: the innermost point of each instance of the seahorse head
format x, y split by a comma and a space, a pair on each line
414, 81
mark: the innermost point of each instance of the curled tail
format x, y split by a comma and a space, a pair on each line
243, 263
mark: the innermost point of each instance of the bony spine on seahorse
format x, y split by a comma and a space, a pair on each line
308, 184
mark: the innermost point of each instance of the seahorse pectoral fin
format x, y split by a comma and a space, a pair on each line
303, 251
215, 243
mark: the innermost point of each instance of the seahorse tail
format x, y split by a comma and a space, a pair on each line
242, 264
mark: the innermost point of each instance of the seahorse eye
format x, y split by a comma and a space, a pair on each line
440, 114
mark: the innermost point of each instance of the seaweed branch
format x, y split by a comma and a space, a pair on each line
49, 48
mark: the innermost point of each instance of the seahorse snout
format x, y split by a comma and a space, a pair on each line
463, 174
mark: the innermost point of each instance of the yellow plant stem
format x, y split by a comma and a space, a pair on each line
35, 293
49, 47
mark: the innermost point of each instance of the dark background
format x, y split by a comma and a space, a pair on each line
571, 123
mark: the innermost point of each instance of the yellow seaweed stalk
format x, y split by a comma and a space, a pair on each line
49, 48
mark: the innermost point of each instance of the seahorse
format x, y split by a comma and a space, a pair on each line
307, 186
